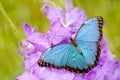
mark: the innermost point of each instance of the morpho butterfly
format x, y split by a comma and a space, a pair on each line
80, 54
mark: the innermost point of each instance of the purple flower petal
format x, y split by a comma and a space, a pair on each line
31, 60
52, 13
41, 41
28, 30
91, 76
74, 19
69, 5
78, 77
31, 54
28, 48
58, 33
116, 75
27, 76
52, 74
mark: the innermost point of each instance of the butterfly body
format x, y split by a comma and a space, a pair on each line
81, 53
73, 42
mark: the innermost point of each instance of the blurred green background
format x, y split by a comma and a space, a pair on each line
20, 11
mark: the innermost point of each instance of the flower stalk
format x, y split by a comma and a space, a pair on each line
12, 25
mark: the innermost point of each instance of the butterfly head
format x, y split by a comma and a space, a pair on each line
73, 42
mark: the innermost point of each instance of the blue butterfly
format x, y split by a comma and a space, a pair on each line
81, 54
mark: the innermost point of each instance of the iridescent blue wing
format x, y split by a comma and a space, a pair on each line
90, 51
88, 38
64, 56
91, 30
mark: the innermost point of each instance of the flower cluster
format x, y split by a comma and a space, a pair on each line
36, 43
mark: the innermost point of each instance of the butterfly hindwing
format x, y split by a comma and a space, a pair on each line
89, 51
63, 55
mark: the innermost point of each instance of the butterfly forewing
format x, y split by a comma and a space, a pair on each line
91, 30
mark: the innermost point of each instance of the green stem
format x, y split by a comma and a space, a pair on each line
12, 26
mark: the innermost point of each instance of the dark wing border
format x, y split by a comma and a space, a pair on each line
100, 24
